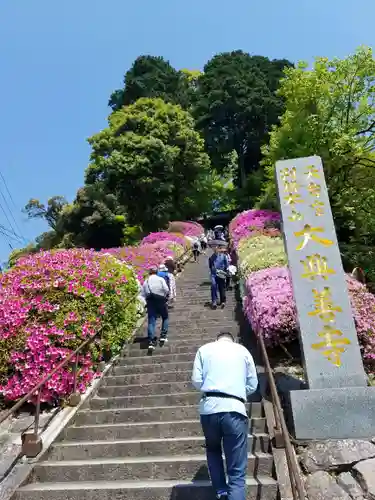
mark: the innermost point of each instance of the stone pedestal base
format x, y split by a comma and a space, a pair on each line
342, 413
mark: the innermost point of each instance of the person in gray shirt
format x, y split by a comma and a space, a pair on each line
156, 293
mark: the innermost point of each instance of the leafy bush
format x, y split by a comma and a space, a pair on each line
269, 306
260, 252
49, 303
245, 223
178, 238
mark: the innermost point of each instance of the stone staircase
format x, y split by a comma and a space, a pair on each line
140, 437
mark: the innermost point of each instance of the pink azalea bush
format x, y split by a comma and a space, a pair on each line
249, 221
49, 303
145, 256
178, 238
269, 303
186, 228
269, 306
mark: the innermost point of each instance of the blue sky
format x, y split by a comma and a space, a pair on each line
61, 60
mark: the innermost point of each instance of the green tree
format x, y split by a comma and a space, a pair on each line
152, 159
152, 76
50, 212
330, 112
236, 106
94, 220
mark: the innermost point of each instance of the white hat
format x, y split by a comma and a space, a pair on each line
163, 267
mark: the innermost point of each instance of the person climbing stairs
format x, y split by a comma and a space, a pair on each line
139, 437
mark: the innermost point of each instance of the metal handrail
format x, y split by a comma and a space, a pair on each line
31, 442
282, 437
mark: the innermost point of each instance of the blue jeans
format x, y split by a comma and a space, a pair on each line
229, 429
218, 285
157, 307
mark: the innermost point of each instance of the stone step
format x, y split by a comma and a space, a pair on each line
226, 314
147, 390
200, 299
152, 400
152, 447
183, 305
171, 348
261, 487
176, 399
148, 378
143, 430
186, 325
154, 368
159, 468
157, 414
183, 337
206, 333
160, 358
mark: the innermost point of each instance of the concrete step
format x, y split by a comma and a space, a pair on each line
261, 487
147, 390
171, 348
161, 414
187, 324
206, 314
204, 335
196, 329
176, 399
160, 358
155, 368
181, 446
145, 430
182, 337
159, 468
185, 345
148, 378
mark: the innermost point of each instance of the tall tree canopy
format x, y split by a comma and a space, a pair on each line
152, 76
152, 159
330, 112
236, 106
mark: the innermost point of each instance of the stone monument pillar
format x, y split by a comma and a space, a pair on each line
338, 403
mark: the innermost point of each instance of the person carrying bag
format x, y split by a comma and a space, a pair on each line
219, 264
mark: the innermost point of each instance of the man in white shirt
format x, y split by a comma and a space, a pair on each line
225, 373
156, 293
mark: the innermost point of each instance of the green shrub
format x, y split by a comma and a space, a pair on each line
260, 252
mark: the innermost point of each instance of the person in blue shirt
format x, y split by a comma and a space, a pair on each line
218, 264
224, 372
163, 273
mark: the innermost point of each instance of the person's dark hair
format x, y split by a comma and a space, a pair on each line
225, 334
